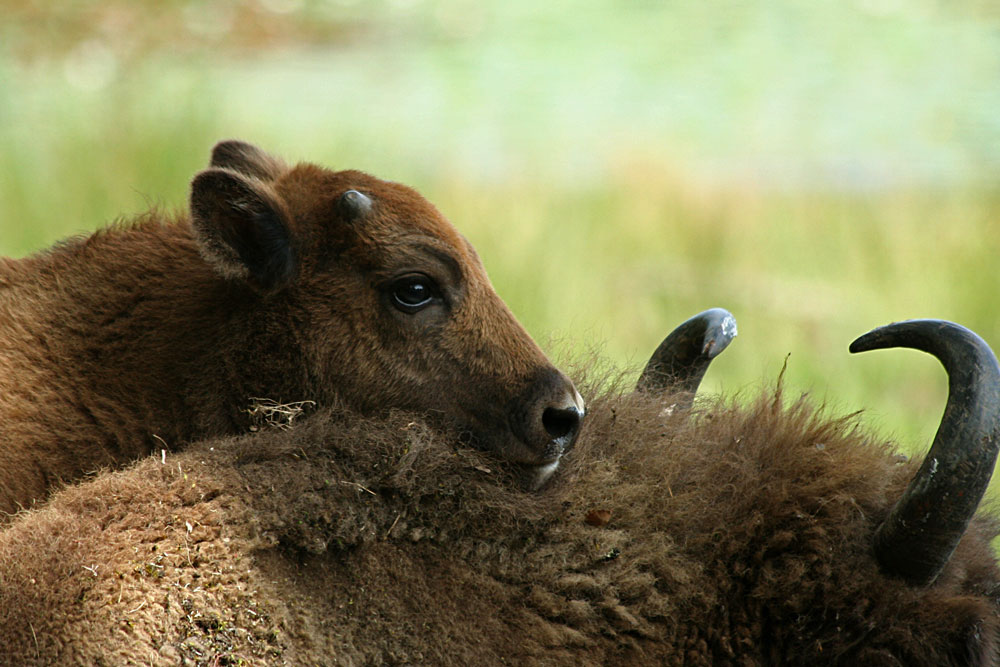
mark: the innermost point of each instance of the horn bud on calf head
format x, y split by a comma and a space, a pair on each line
242, 228
925, 525
354, 204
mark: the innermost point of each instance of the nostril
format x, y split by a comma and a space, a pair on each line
561, 422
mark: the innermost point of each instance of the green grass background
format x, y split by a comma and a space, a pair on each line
817, 167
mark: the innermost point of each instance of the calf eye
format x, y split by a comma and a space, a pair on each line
413, 293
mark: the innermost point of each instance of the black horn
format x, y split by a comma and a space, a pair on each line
680, 362
925, 525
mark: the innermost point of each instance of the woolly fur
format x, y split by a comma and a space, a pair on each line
727, 535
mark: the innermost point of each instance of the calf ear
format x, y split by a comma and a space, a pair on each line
247, 159
242, 229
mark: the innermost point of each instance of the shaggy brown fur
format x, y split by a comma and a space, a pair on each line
734, 536
284, 285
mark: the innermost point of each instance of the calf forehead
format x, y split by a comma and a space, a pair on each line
399, 215
402, 211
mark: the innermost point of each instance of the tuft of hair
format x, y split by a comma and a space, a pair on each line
267, 412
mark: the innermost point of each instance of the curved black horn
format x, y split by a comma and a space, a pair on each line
680, 362
924, 527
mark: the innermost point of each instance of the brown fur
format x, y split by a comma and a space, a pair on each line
159, 331
734, 536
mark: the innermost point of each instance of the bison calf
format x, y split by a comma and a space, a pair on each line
292, 283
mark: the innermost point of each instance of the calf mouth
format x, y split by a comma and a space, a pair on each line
533, 453
512, 449
531, 469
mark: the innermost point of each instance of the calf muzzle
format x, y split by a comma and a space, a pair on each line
550, 420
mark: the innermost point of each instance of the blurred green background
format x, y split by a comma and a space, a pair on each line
818, 167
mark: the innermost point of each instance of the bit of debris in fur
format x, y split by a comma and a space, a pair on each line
266, 412
598, 517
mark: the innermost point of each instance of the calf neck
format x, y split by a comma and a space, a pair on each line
291, 283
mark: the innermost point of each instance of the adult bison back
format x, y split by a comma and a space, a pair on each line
291, 283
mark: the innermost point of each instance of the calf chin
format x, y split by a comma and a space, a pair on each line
533, 478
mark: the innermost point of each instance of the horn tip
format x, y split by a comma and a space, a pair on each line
722, 326
861, 344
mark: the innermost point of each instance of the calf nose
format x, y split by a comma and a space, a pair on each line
553, 418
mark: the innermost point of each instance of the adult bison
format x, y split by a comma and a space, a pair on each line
291, 283
765, 534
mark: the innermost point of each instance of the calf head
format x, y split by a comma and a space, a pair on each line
390, 305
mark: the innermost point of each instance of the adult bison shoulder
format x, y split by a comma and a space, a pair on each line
764, 534
290, 283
